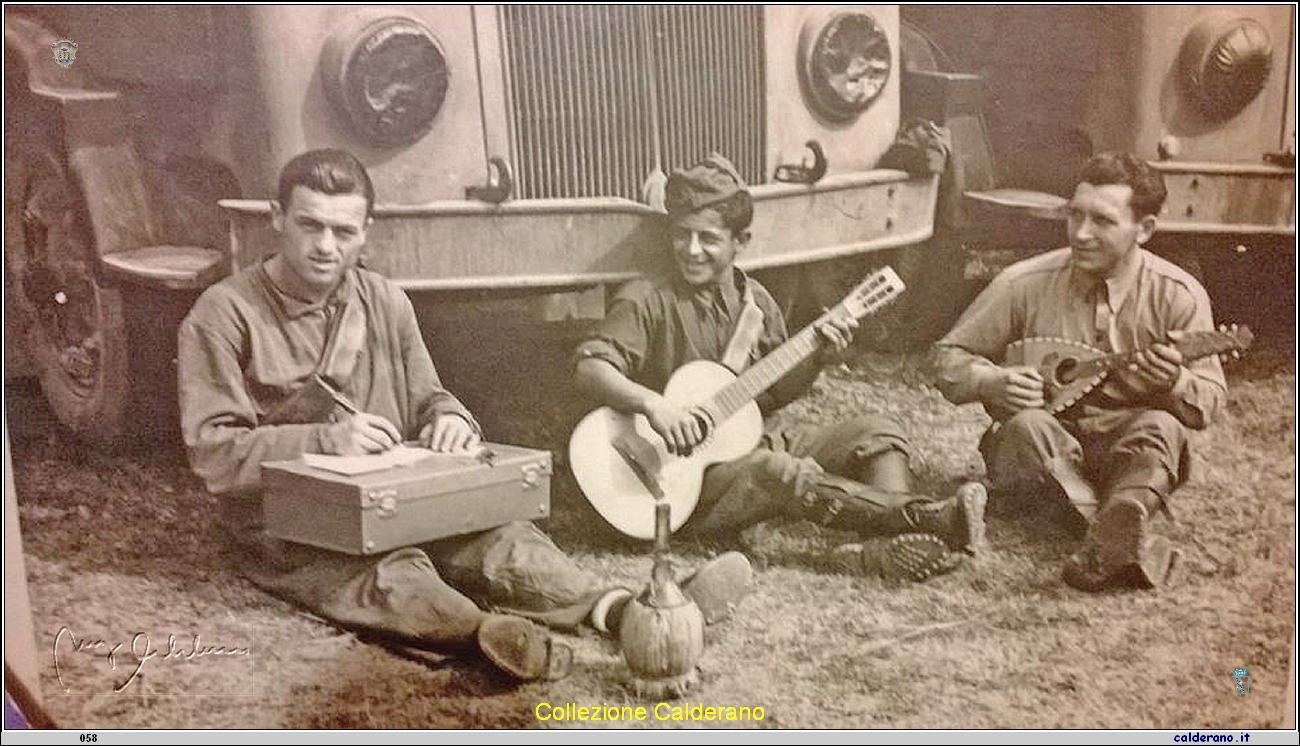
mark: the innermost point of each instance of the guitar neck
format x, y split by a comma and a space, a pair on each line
1192, 346
877, 290
766, 372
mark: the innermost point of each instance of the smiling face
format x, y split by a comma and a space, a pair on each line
321, 237
704, 247
1102, 227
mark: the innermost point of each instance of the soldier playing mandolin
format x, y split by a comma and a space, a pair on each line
1109, 461
852, 475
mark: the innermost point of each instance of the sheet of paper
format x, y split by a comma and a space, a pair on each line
400, 455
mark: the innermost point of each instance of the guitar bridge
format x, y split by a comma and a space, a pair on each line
642, 458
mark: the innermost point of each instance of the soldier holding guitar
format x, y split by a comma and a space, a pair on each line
1093, 360
652, 437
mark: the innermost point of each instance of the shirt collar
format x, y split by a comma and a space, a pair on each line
726, 293
1120, 281
295, 308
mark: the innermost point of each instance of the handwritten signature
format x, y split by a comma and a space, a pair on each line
139, 651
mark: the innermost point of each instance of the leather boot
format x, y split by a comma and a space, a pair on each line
1118, 552
851, 505
914, 557
523, 649
959, 520
1145, 477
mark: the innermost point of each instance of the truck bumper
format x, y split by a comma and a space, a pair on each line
551, 245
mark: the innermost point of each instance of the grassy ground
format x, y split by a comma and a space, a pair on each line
119, 545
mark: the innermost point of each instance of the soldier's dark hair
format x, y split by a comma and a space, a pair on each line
1125, 168
328, 171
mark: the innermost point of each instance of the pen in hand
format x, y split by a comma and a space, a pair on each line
372, 428
336, 395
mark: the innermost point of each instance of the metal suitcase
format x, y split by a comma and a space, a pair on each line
440, 496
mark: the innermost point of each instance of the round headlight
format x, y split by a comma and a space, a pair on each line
1226, 60
387, 75
844, 61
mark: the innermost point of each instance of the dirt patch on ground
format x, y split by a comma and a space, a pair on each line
119, 546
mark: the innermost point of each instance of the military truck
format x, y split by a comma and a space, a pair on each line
517, 152
1206, 93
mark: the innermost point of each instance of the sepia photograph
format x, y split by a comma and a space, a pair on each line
926, 369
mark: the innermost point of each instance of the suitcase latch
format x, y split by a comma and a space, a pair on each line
385, 502
533, 473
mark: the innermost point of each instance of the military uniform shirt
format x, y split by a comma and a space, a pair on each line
656, 325
1043, 297
245, 347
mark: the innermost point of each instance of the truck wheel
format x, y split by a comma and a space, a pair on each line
78, 334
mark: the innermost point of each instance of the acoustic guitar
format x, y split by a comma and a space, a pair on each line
624, 467
1071, 369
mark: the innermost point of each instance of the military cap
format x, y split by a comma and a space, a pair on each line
708, 183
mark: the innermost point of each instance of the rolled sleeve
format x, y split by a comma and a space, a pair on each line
601, 348
623, 338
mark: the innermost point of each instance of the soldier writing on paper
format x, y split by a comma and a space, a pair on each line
264, 356
1110, 460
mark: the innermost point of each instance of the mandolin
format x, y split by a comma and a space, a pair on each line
1071, 369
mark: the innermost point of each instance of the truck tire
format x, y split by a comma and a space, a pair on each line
78, 336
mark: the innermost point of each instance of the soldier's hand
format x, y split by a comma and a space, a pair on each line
1155, 370
1235, 353
838, 332
682, 429
448, 432
1014, 388
361, 433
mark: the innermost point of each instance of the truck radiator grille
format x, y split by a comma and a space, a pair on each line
587, 85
